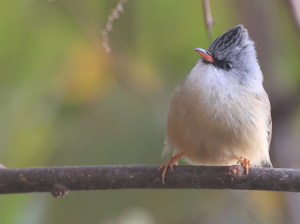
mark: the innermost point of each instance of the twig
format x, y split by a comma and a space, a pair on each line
59, 180
115, 14
295, 6
209, 21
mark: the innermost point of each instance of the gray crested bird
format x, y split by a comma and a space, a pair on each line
220, 114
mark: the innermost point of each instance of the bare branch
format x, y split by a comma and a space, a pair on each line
60, 180
209, 21
295, 6
115, 14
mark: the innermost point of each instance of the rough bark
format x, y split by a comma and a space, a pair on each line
60, 180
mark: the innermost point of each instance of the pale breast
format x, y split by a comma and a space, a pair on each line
217, 130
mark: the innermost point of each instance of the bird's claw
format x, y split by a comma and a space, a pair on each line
246, 163
171, 163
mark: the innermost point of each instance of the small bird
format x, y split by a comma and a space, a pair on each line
220, 114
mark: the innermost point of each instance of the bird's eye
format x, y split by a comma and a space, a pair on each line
228, 66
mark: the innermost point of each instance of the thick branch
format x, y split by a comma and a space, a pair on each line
59, 180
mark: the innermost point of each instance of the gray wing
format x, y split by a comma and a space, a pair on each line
266, 103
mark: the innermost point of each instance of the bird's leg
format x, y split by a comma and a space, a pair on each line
171, 163
246, 163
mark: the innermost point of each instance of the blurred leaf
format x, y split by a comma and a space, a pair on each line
85, 76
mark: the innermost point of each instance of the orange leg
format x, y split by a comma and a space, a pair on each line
246, 163
171, 163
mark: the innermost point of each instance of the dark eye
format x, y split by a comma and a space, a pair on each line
228, 66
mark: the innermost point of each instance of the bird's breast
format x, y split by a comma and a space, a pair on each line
212, 126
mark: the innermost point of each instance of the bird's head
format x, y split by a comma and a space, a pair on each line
234, 55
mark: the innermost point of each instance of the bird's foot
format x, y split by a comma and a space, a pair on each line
246, 163
171, 163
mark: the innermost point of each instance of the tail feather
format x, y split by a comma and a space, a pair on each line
166, 147
267, 164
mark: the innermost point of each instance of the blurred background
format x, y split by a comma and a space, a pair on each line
64, 101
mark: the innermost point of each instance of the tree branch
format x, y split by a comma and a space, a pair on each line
59, 180
295, 7
209, 21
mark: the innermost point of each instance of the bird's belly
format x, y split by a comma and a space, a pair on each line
210, 141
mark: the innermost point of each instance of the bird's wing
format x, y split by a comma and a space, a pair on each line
266, 103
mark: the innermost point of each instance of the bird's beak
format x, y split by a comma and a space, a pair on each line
205, 55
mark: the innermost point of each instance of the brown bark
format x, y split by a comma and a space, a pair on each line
60, 180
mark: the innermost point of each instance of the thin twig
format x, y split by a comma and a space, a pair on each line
60, 180
115, 14
209, 21
295, 6
79, 14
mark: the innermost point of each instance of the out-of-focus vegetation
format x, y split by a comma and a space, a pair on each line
64, 101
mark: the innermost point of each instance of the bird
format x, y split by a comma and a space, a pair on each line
220, 114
